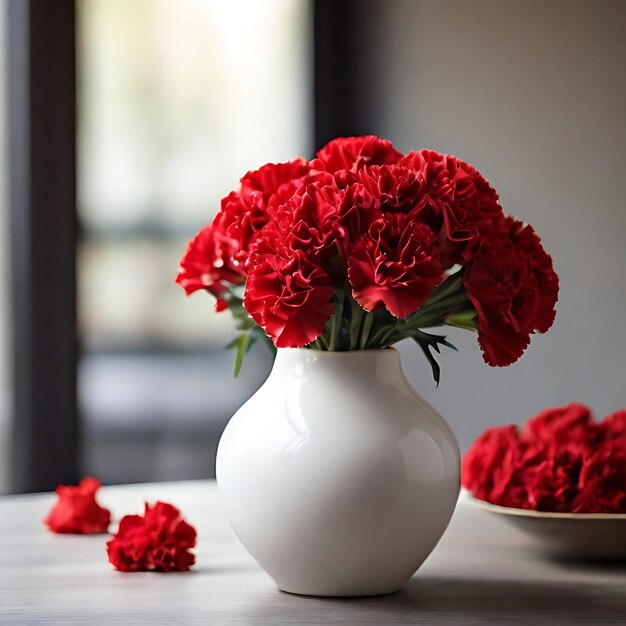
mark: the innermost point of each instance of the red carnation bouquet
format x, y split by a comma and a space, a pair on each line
364, 246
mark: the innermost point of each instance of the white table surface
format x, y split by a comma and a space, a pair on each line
482, 572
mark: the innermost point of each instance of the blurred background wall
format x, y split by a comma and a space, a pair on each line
176, 99
532, 93
4, 287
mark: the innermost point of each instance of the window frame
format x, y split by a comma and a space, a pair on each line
40, 57
41, 131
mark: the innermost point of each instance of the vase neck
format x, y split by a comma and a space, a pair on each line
383, 365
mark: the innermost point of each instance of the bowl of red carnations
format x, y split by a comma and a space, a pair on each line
561, 479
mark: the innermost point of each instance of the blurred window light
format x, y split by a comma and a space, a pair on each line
177, 99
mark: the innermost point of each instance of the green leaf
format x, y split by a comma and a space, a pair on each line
428, 342
448, 287
242, 343
467, 319
231, 344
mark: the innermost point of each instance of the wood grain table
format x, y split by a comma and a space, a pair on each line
482, 572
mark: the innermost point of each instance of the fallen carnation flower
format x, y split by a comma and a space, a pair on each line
76, 510
159, 540
562, 460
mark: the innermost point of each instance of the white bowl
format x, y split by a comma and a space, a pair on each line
576, 536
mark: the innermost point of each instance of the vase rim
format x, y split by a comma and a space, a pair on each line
315, 351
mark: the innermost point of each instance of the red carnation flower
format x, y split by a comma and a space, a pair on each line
550, 485
289, 295
320, 219
218, 255
209, 262
395, 264
530, 252
159, 540
488, 198
490, 462
513, 287
267, 180
455, 200
397, 188
76, 510
602, 480
358, 210
572, 422
311, 222
351, 153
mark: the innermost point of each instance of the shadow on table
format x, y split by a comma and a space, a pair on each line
591, 567
446, 600
551, 601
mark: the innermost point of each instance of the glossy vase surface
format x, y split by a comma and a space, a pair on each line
336, 476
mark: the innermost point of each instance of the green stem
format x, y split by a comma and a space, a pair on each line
439, 311
356, 320
382, 334
335, 333
367, 327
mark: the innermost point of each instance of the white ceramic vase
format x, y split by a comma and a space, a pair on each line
336, 476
